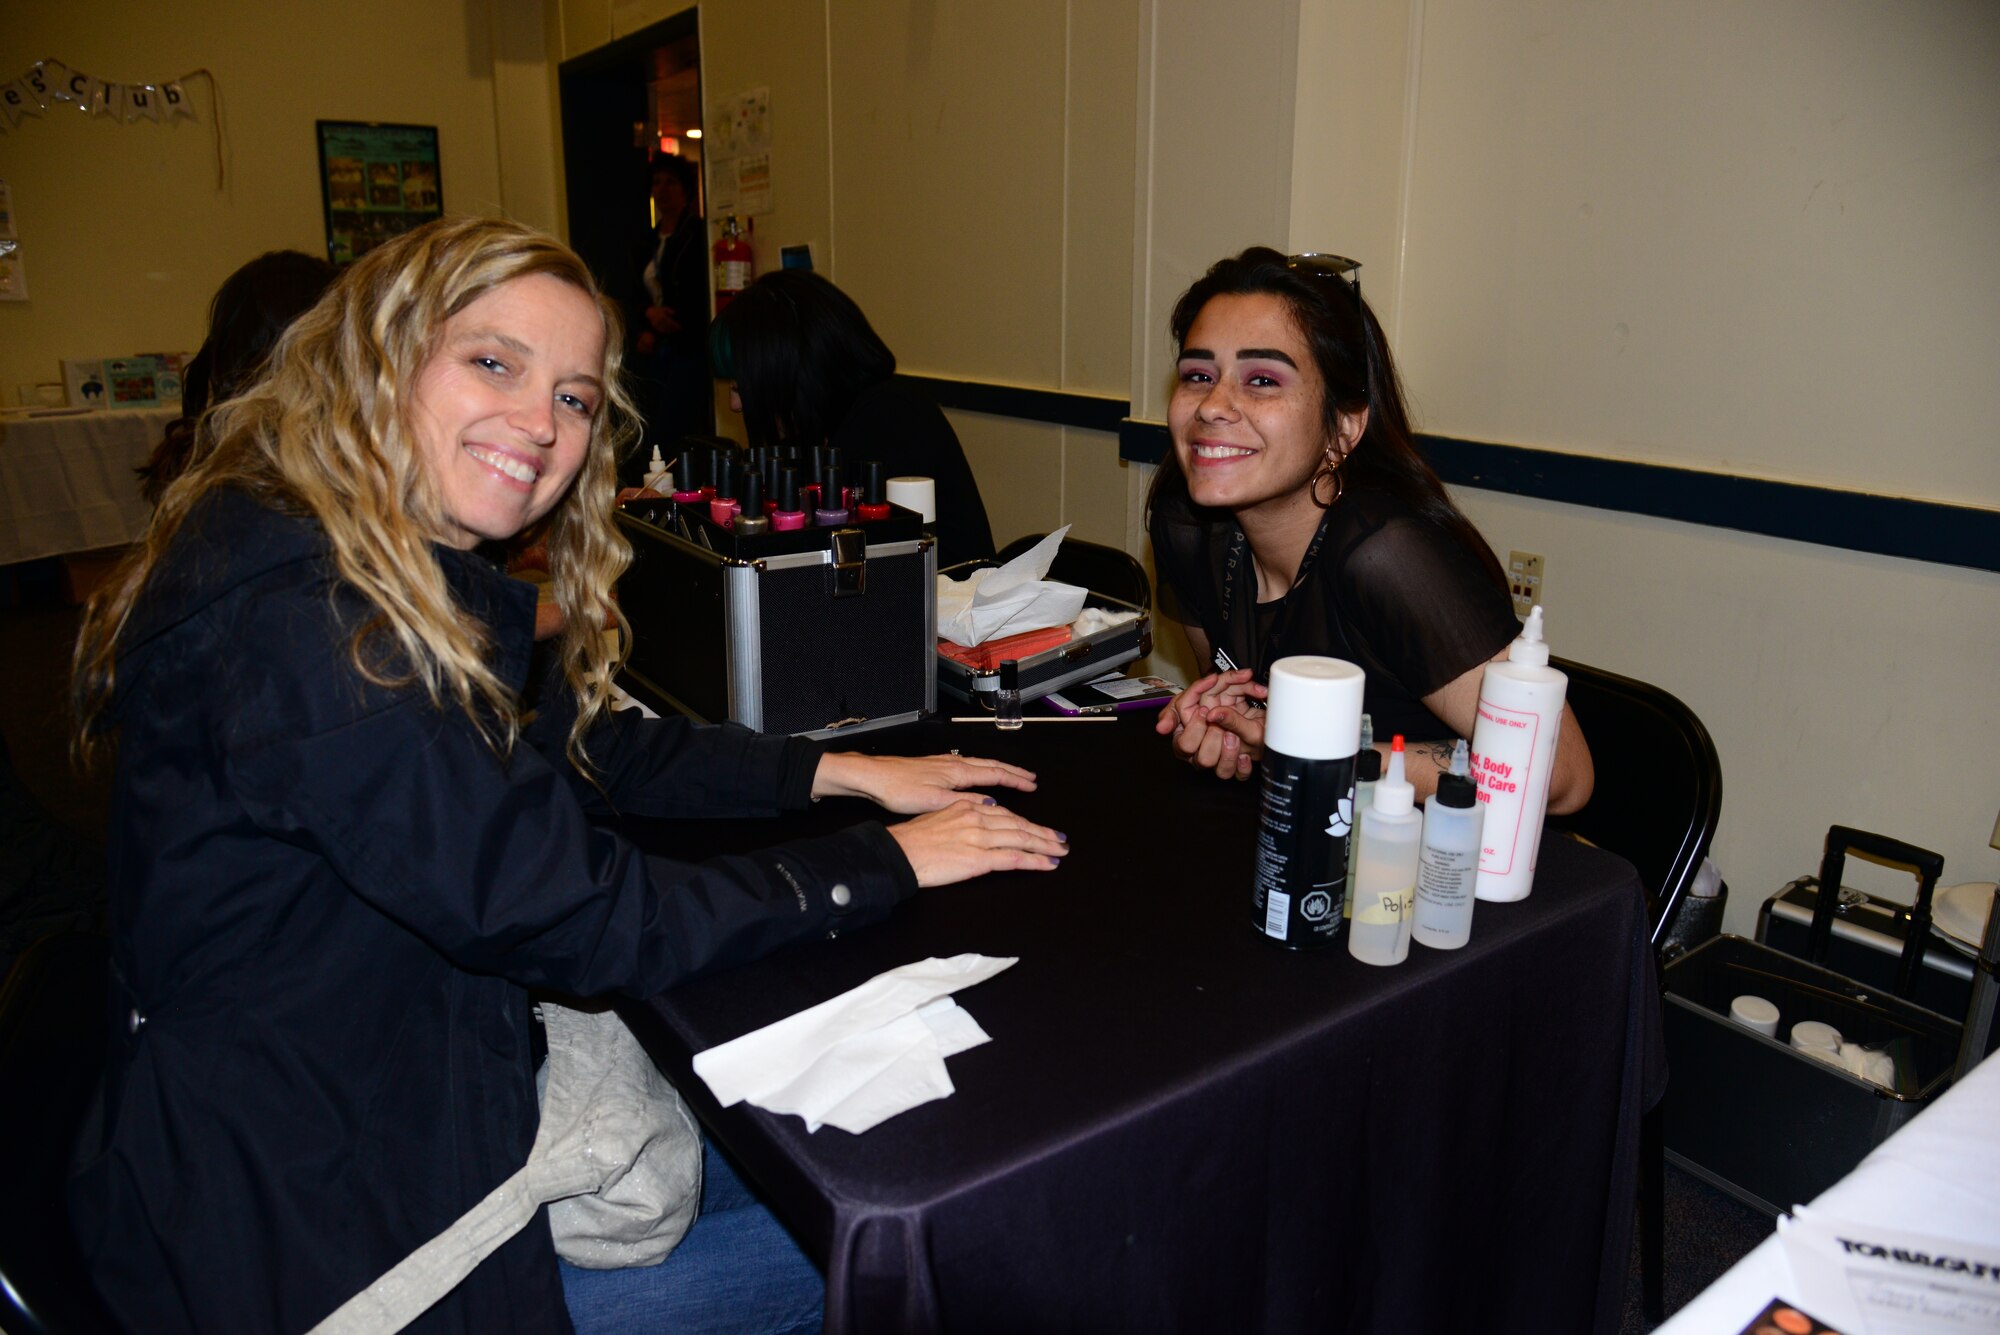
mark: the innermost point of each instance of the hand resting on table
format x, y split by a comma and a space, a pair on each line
959, 834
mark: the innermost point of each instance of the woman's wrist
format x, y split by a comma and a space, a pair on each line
839, 775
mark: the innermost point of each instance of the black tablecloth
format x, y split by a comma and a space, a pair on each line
1181, 1126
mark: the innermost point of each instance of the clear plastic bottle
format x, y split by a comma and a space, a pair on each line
1386, 871
1448, 862
1007, 700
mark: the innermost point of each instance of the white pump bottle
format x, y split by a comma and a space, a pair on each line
1513, 759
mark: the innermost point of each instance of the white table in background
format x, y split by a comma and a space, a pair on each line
66, 482
1938, 1175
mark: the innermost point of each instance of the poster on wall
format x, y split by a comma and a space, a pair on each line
376, 181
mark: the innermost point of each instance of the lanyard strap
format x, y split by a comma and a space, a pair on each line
1233, 573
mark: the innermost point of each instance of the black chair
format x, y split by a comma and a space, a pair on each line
52, 1030
1093, 566
1657, 799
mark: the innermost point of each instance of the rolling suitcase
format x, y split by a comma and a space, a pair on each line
1764, 1121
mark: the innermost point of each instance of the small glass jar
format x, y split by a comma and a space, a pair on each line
1007, 701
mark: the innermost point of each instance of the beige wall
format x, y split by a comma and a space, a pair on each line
1749, 240
124, 231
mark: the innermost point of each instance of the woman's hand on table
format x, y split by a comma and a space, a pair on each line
971, 838
1214, 726
910, 785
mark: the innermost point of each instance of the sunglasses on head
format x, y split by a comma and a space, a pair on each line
1313, 264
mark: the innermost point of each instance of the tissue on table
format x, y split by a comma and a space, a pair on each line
861, 1057
1014, 598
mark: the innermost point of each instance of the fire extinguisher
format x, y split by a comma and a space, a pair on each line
733, 265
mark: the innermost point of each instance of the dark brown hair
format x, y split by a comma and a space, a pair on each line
1352, 354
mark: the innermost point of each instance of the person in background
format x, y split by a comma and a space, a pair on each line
666, 311
354, 825
251, 308
1295, 516
806, 368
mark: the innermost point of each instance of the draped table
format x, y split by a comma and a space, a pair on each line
1181, 1126
66, 480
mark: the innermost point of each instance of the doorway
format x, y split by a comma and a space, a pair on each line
627, 108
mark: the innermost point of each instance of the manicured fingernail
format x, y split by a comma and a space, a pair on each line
986, 801
1063, 837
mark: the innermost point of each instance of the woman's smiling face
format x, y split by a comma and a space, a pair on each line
1247, 413
503, 409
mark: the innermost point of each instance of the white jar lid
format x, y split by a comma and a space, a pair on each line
1813, 1034
914, 493
1754, 1012
1314, 710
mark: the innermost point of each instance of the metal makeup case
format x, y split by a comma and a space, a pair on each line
816, 631
1054, 668
1756, 1117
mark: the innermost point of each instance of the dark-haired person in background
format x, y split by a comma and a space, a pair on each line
252, 307
1295, 516
806, 368
666, 311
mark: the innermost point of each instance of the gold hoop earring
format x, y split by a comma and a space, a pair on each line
1329, 468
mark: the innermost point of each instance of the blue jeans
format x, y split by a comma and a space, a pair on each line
737, 1272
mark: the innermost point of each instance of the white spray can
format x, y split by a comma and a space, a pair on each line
1513, 759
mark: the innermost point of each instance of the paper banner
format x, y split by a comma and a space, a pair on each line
65, 84
51, 82
18, 101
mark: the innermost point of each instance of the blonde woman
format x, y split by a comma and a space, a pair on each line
351, 832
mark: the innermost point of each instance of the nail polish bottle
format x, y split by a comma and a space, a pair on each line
687, 492
1007, 700
789, 515
751, 520
722, 509
832, 509
874, 501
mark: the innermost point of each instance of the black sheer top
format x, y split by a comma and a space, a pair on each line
1387, 591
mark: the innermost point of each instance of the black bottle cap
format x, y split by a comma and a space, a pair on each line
684, 467
1455, 790
829, 487
1010, 674
877, 487
1368, 767
788, 488
728, 484
819, 459
750, 495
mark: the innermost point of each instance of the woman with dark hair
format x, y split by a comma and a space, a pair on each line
806, 368
1295, 516
252, 307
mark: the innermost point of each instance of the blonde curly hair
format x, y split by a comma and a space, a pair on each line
326, 433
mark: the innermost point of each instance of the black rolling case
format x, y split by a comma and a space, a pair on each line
1763, 1121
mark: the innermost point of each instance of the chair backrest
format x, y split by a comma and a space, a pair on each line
1659, 783
1093, 566
52, 1031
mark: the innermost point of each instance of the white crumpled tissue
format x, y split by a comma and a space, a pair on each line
1011, 600
862, 1057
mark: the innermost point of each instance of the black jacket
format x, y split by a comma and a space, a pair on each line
329, 900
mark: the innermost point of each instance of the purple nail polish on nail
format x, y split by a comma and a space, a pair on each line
986, 802
1060, 835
